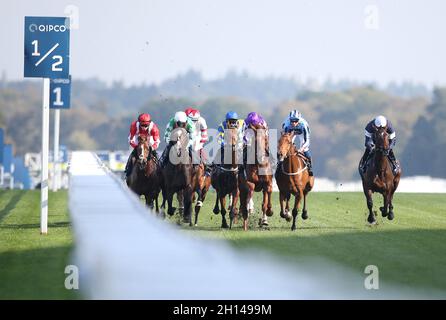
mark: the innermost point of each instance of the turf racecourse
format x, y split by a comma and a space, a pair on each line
32, 266
409, 251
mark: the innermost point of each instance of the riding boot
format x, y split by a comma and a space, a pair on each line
392, 159
310, 167
165, 156
129, 165
363, 162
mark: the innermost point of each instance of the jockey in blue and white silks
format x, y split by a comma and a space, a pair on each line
297, 124
378, 122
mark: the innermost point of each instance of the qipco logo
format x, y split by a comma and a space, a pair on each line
47, 28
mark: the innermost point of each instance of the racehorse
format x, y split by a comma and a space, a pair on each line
177, 174
379, 177
200, 185
144, 180
258, 175
224, 180
292, 178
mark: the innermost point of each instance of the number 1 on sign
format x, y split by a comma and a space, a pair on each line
58, 93
36, 52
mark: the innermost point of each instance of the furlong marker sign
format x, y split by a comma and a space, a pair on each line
46, 54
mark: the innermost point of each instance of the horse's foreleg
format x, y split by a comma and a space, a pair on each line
269, 206
368, 195
198, 204
284, 206
298, 196
170, 208
233, 211
244, 206
180, 199
304, 209
224, 224
217, 199
264, 220
187, 202
391, 215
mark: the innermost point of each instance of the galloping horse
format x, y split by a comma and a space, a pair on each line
224, 179
200, 185
258, 177
144, 180
177, 174
379, 176
292, 178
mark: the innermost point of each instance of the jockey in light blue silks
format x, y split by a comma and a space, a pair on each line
297, 124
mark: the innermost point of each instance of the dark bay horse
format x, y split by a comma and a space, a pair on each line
144, 179
379, 177
292, 179
258, 175
224, 179
177, 174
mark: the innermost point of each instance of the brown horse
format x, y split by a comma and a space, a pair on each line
258, 175
379, 176
177, 174
144, 179
224, 180
292, 178
200, 185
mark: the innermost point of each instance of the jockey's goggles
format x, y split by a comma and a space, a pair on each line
232, 122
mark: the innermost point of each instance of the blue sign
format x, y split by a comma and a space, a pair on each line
47, 47
7, 158
2, 134
60, 93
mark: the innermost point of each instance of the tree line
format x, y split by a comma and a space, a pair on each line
100, 117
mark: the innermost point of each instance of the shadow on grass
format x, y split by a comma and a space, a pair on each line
35, 225
414, 258
11, 204
35, 274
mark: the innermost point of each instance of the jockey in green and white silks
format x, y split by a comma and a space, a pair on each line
180, 120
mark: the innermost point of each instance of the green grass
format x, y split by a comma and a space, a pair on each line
32, 265
410, 250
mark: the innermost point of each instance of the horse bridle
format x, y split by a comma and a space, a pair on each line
288, 155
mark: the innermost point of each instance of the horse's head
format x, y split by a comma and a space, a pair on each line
261, 142
285, 147
143, 151
180, 139
381, 138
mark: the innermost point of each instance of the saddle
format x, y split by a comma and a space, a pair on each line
393, 162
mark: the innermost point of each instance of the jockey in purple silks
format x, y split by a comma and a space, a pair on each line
253, 119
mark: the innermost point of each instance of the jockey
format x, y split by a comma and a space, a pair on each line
379, 121
297, 124
180, 120
201, 135
146, 127
253, 119
231, 122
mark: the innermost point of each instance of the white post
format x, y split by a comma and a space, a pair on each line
1, 176
56, 150
45, 149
